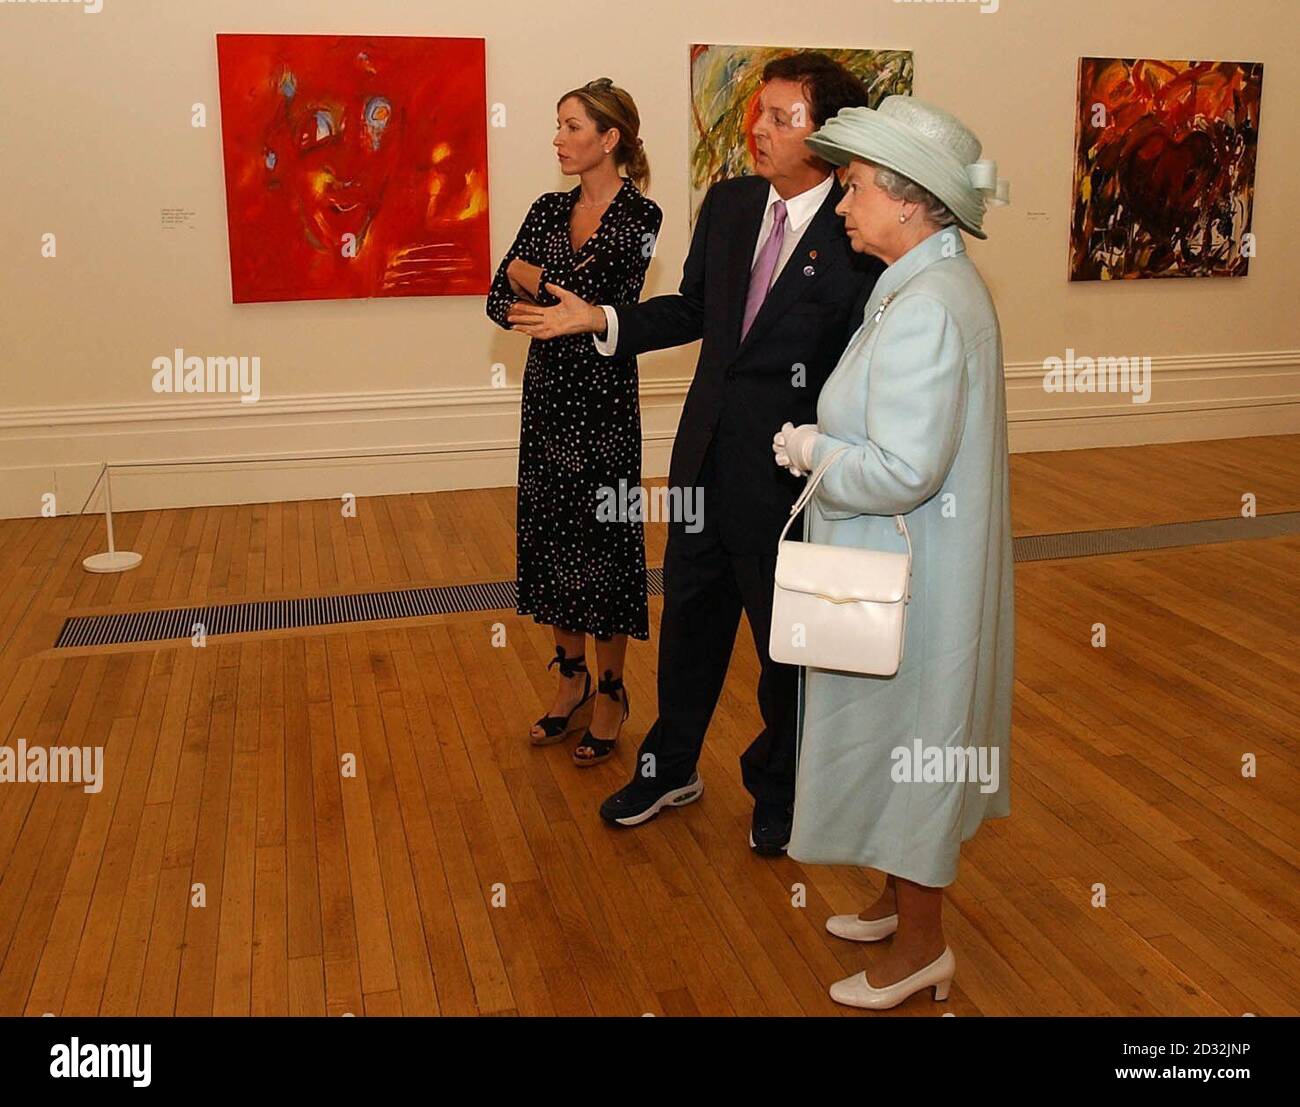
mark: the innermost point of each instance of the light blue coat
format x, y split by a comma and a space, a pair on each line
919, 399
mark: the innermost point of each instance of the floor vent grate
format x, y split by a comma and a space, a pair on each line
408, 603
1202, 532
312, 611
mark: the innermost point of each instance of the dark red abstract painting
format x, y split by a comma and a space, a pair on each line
1164, 170
355, 166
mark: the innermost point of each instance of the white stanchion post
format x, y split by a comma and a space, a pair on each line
115, 560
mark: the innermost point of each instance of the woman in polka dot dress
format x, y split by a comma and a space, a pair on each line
580, 434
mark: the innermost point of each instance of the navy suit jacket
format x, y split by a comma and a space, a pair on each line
743, 391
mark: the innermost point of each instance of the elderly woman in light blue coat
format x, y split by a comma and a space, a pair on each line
896, 772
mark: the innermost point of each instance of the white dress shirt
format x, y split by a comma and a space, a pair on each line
799, 211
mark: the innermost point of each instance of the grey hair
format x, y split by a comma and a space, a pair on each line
903, 188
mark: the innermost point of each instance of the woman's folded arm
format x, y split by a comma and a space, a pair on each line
501, 295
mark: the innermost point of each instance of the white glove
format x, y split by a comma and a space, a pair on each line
793, 447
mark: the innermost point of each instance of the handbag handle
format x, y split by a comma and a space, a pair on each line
900, 524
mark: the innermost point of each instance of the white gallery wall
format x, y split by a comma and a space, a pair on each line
96, 141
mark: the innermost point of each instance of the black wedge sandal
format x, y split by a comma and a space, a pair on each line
602, 749
559, 727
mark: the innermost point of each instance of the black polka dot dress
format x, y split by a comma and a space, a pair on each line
580, 431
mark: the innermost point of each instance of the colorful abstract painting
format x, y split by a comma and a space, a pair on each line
1164, 168
355, 166
724, 102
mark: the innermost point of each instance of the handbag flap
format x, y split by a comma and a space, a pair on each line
842, 574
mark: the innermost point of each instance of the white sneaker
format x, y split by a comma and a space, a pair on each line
854, 991
861, 930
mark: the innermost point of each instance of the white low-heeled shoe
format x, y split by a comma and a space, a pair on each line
854, 991
861, 930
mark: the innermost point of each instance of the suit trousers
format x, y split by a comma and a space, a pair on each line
706, 586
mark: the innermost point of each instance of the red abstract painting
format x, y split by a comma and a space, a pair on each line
355, 166
1164, 168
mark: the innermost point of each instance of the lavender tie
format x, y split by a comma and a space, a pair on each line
760, 277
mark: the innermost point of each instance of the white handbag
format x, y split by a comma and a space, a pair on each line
839, 607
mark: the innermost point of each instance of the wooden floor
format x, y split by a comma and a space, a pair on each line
374, 894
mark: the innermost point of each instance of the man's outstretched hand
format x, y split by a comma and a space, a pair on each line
572, 315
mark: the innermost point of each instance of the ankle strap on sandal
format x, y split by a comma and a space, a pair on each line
569, 666
612, 686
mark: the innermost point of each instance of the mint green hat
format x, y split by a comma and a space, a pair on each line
925, 144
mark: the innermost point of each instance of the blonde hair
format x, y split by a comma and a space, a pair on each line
610, 106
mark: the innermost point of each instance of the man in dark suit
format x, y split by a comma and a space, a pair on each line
773, 288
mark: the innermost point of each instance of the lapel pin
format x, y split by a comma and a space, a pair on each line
812, 254
808, 271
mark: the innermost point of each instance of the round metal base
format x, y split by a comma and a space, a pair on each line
118, 562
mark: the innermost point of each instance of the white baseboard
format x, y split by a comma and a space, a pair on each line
322, 446
1193, 398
